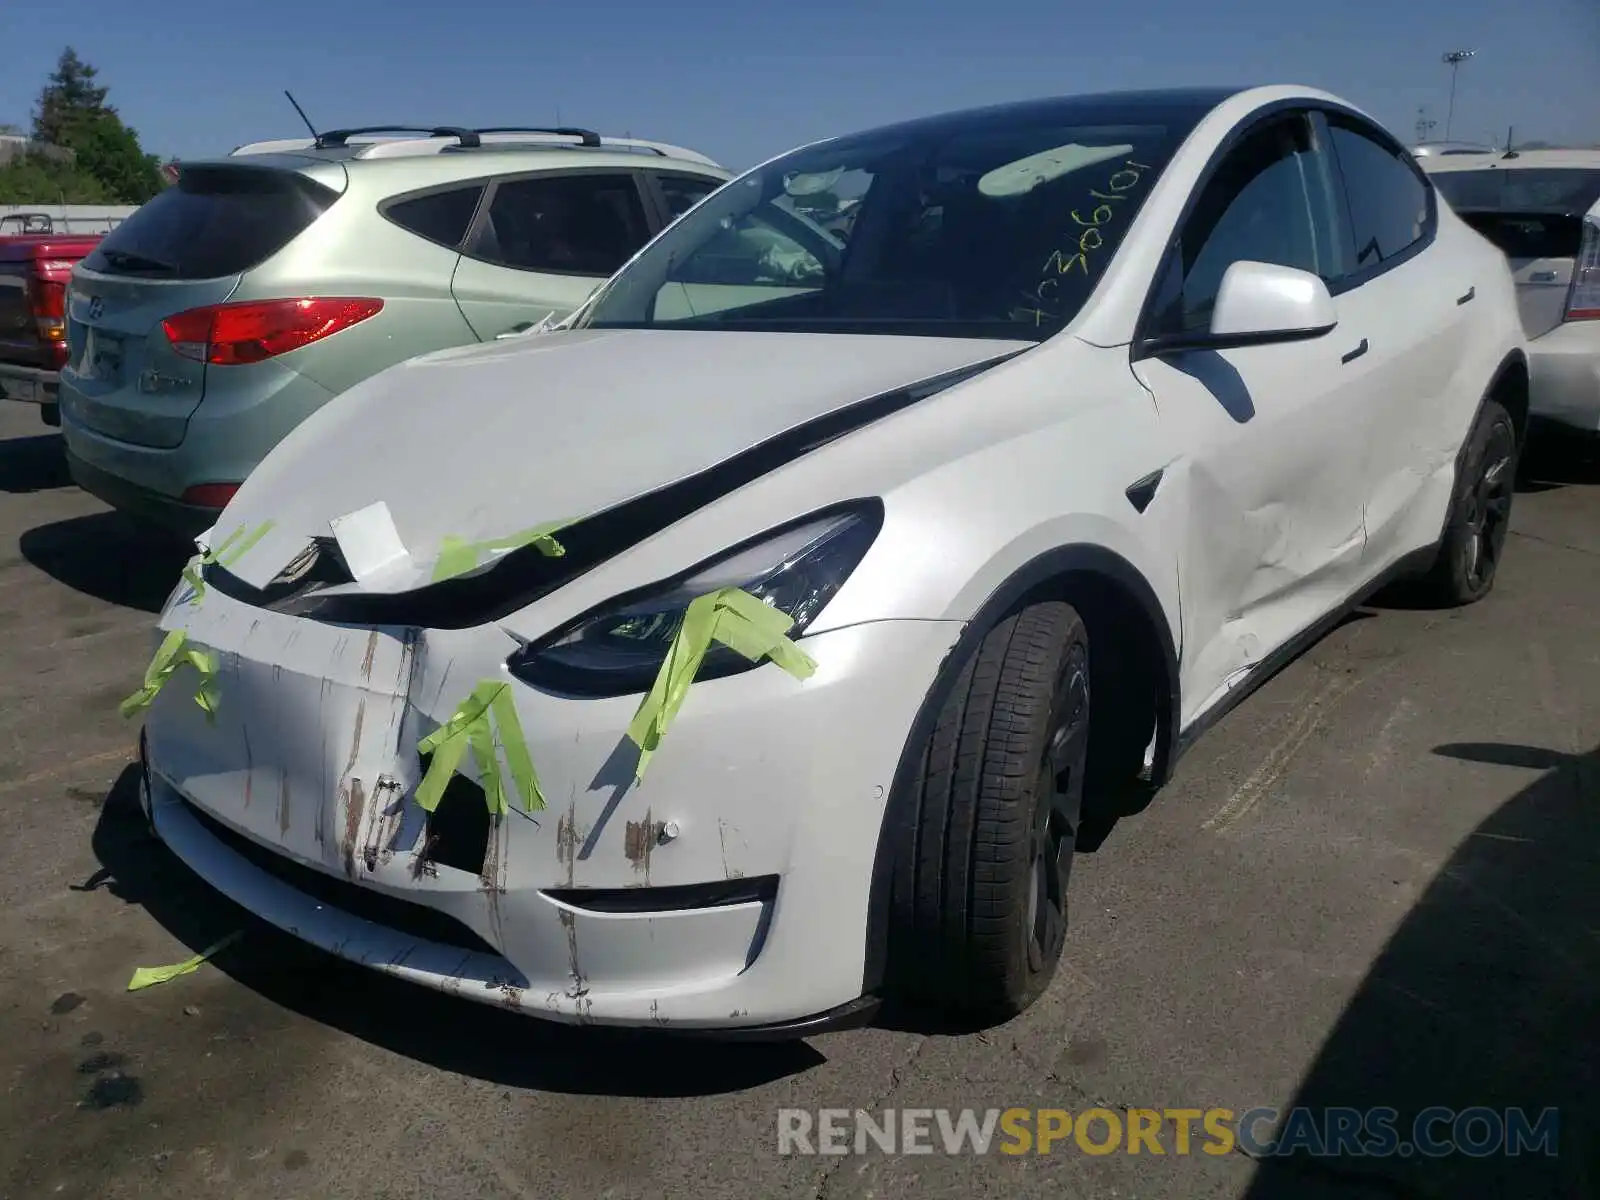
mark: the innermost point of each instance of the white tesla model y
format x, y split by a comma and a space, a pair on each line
761, 643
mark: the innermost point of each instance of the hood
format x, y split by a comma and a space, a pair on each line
482, 442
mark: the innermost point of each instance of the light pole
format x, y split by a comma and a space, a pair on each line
1454, 58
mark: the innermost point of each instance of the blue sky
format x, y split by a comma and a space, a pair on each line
744, 81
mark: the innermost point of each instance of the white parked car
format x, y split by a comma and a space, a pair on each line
1542, 207
818, 614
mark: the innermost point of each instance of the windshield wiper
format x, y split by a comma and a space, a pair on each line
124, 261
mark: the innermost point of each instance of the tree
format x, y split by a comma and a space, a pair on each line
72, 113
36, 178
109, 151
70, 97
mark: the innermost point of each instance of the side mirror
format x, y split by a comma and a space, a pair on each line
1258, 304
1271, 303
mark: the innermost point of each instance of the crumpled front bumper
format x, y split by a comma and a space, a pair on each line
728, 889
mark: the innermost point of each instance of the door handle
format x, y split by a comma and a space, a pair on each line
1356, 353
1471, 292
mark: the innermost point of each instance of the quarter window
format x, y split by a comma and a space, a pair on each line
682, 192
1388, 198
1270, 201
440, 217
567, 225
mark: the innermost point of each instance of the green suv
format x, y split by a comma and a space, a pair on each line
222, 313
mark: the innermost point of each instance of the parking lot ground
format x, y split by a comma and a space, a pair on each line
1377, 883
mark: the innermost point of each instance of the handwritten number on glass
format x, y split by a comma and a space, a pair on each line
1090, 239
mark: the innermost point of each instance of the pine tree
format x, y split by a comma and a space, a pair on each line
72, 113
69, 100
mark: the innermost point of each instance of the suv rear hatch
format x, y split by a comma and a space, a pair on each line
1536, 216
187, 248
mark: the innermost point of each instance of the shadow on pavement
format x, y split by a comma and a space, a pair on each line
452, 1034
33, 464
107, 556
1557, 458
1487, 996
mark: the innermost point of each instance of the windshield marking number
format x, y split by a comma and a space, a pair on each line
1090, 239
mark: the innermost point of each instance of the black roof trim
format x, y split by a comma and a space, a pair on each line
1193, 102
587, 137
340, 137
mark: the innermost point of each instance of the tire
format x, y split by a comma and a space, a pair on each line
978, 903
1480, 513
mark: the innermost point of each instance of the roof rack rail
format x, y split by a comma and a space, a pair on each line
341, 137
587, 136
664, 149
383, 142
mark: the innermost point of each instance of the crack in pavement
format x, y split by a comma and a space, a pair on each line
1534, 537
820, 1191
447, 1125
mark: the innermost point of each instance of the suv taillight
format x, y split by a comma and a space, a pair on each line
1583, 298
253, 330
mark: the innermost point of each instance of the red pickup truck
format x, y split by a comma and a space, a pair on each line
34, 270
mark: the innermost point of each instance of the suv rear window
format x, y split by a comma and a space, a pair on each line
215, 222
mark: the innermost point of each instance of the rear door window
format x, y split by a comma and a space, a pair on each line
213, 223
440, 217
587, 224
1389, 199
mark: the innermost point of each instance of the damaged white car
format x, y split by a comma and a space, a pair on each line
762, 645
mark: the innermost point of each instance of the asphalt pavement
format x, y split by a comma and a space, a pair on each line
1376, 884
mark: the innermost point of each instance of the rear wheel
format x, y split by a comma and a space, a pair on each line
979, 900
1480, 513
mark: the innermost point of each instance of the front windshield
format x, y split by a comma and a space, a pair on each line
1543, 189
976, 227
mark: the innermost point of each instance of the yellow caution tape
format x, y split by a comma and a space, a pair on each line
169, 657
738, 620
150, 976
457, 557
470, 725
230, 552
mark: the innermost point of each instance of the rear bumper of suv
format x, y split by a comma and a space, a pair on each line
141, 503
123, 462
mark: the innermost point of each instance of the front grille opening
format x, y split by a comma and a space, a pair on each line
296, 584
457, 832
414, 920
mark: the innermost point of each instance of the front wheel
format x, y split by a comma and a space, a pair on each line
1480, 513
980, 889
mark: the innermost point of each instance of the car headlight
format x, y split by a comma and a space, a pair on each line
618, 649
